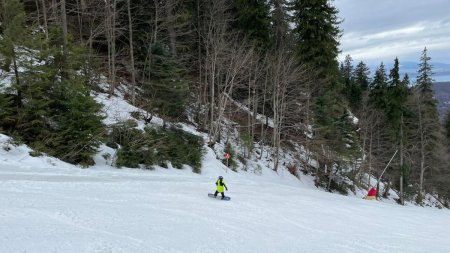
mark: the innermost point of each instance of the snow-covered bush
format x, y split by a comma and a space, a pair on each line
156, 146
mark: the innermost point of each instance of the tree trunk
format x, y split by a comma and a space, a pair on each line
38, 13
54, 10
330, 177
19, 89
401, 162
422, 150
250, 105
64, 74
44, 12
255, 111
173, 41
133, 71
386, 190
113, 48
108, 39
111, 38
263, 113
64, 23
211, 107
80, 12
370, 157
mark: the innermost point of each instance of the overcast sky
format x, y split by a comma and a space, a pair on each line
380, 30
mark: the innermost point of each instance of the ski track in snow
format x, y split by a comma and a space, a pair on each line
96, 210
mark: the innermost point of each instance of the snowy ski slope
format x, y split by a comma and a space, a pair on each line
48, 206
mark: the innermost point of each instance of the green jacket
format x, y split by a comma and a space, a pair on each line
220, 185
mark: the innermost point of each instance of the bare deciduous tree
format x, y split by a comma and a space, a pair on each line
133, 71
287, 81
227, 71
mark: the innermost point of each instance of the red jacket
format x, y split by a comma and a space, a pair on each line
372, 192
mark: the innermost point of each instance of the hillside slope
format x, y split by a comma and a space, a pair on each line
442, 92
47, 205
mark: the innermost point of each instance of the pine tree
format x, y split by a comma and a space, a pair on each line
350, 146
425, 72
360, 85
397, 97
254, 21
405, 81
396, 111
280, 23
379, 88
361, 75
428, 121
167, 90
317, 34
58, 115
337, 130
379, 137
12, 25
6, 110
346, 70
352, 90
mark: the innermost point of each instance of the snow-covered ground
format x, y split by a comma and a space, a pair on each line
50, 206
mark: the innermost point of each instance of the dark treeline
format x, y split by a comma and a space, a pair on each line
192, 59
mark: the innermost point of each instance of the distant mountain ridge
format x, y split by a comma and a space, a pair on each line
442, 93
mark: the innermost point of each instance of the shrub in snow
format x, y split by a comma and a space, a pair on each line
231, 162
35, 153
156, 146
293, 170
419, 199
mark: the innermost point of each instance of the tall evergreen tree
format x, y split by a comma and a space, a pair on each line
53, 111
397, 97
429, 128
378, 88
360, 86
405, 81
6, 110
254, 21
352, 90
167, 90
317, 34
59, 116
280, 23
396, 111
346, 70
12, 25
361, 75
424, 80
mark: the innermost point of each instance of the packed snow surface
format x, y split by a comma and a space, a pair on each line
49, 206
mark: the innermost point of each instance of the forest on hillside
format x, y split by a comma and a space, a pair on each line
189, 60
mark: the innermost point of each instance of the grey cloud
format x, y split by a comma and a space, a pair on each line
380, 30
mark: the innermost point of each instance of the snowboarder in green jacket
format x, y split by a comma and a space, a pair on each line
220, 186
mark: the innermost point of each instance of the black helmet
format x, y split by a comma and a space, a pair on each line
220, 177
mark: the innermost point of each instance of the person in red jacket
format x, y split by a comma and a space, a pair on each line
372, 194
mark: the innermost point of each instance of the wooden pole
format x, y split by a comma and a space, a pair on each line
387, 166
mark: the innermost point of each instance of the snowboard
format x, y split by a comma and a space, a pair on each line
219, 196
